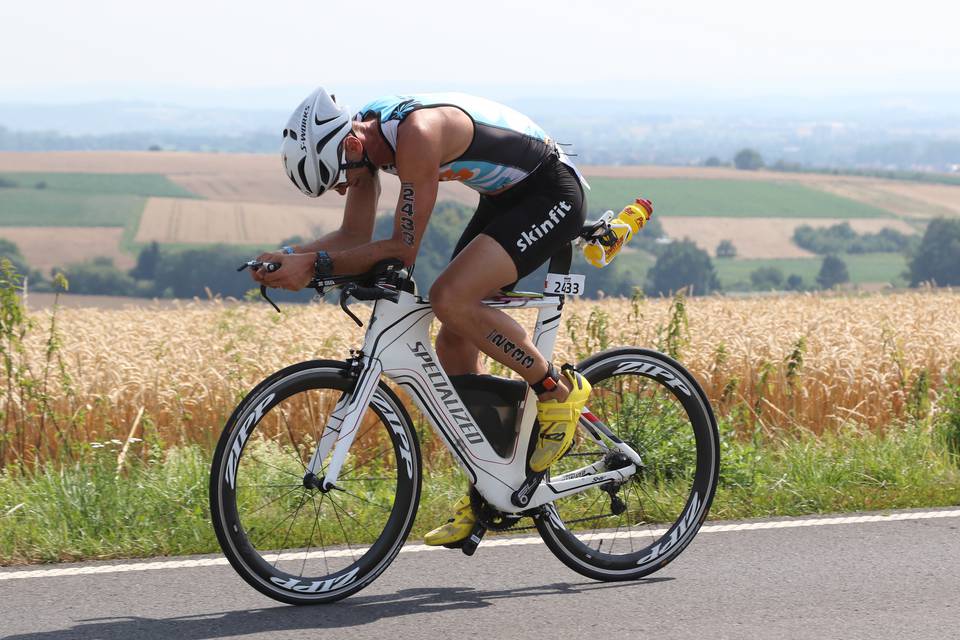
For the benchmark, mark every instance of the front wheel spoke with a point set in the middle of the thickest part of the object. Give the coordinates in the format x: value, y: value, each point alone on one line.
x: 323, y: 545
x: 376, y: 456
x: 264, y: 536
x: 293, y: 521
x: 373, y: 536
x: 379, y: 506
x: 267, y: 464
x: 270, y: 502
x: 313, y: 529
x: 346, y: 538
x: 298, y: 457
x: 286, y: 485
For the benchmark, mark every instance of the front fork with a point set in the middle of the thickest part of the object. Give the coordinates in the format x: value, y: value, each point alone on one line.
x: 342, y: 427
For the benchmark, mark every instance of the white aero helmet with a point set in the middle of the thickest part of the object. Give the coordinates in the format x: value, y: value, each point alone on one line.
x: 311, y: 150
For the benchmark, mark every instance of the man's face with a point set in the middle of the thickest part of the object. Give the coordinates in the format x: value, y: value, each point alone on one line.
x: 353, y: 150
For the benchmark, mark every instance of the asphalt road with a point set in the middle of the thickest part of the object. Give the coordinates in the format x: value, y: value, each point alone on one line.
x: 803, y: 578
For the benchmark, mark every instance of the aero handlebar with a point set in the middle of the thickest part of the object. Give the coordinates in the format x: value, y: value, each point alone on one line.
x: 382, y: 282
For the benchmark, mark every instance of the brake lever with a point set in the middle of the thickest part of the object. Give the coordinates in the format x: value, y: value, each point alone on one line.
x: 263, y: 294
x: 344, y: 295
x: 253, y: 265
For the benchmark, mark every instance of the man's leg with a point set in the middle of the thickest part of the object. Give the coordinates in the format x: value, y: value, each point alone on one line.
x: 457, y: 354
x: 484, y: 266
x: 468, y: 327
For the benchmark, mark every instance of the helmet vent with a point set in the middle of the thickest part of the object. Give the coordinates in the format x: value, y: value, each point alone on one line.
x: 303, y: 175
x: 324, y: 173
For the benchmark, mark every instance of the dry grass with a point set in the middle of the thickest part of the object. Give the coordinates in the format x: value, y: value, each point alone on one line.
x: 791, y: 362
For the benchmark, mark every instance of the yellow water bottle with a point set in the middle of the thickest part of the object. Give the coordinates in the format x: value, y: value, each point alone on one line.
x: 621, y: 229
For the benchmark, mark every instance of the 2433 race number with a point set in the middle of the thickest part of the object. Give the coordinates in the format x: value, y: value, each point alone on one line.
x: 571, y: 284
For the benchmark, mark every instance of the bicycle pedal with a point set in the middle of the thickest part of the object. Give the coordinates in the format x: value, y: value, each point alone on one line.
x: 469, y: 545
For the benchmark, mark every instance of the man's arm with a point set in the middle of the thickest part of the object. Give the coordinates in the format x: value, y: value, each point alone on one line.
x: 359, y: 215
x: 418, y: 160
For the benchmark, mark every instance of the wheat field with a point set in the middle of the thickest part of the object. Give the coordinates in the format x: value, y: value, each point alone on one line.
x: 173, y: 375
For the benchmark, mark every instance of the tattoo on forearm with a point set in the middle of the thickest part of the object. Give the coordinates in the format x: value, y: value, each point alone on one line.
x: 512, y: 350
x: 407, y: 226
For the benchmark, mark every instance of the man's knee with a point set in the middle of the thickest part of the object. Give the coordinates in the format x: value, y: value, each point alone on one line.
x: 447, y: 305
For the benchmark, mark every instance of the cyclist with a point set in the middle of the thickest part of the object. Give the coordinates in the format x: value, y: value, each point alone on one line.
x: 531, y: 204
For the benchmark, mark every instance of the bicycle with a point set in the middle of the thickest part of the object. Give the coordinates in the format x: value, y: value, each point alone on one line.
x: 317, y: 475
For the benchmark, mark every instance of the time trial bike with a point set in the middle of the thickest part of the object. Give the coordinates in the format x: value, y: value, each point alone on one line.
x: 317, y: 475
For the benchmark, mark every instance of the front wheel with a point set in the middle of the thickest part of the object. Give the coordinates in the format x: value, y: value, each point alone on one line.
x: 282, y: 533
x: 627, y: 531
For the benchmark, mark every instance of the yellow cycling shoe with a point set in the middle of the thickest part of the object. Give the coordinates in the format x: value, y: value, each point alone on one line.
x: 457, y: 529
x: 558, y: 422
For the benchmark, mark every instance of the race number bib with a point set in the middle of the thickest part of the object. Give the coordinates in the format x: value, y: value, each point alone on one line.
x: 571, y: 285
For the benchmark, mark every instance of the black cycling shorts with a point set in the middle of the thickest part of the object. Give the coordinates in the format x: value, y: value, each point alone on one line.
x: 533, y: 220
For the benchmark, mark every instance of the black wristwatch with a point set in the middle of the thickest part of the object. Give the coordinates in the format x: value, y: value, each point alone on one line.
x: 322, y: 266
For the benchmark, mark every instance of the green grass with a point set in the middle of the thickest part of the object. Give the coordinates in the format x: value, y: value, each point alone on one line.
x: 853, y: 470
x: 159, y: 507
x: 81, y: 199
x: 35, y: 208
x: 133, y: 184
x: 732, y: 198
x: 863, y: 268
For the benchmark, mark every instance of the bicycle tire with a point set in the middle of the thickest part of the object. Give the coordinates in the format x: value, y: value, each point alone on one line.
x: 255, y: 463
x: 644, y: 384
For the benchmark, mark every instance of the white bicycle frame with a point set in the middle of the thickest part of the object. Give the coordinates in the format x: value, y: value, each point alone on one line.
x: 397, y: 345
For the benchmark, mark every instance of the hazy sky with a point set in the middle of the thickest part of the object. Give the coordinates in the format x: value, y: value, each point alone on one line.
x: 198, y: 50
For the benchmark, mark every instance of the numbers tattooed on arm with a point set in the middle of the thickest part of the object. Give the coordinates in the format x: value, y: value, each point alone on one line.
x: 512, y: 350
x: 407, y: 226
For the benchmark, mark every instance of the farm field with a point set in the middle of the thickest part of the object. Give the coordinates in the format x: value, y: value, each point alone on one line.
x: 902, y: 197
x: 48, y: 247
x: 910, y: 200
x: 860, y: 356
x: 177, y: 220
x: 138, y: 184
x: 76, y: 216
x: 256, y: 178
x: 188, y: 198
x: 32, y: 207
x: 764, y: 237
x: 728, y: 198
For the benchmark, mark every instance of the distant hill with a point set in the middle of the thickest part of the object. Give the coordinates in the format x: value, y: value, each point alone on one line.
x: 918, y: 133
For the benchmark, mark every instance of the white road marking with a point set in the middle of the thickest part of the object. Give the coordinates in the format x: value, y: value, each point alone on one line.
x: 496, y: 542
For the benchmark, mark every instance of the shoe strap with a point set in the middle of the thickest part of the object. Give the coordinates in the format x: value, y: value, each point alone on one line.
x: 553, y: 411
